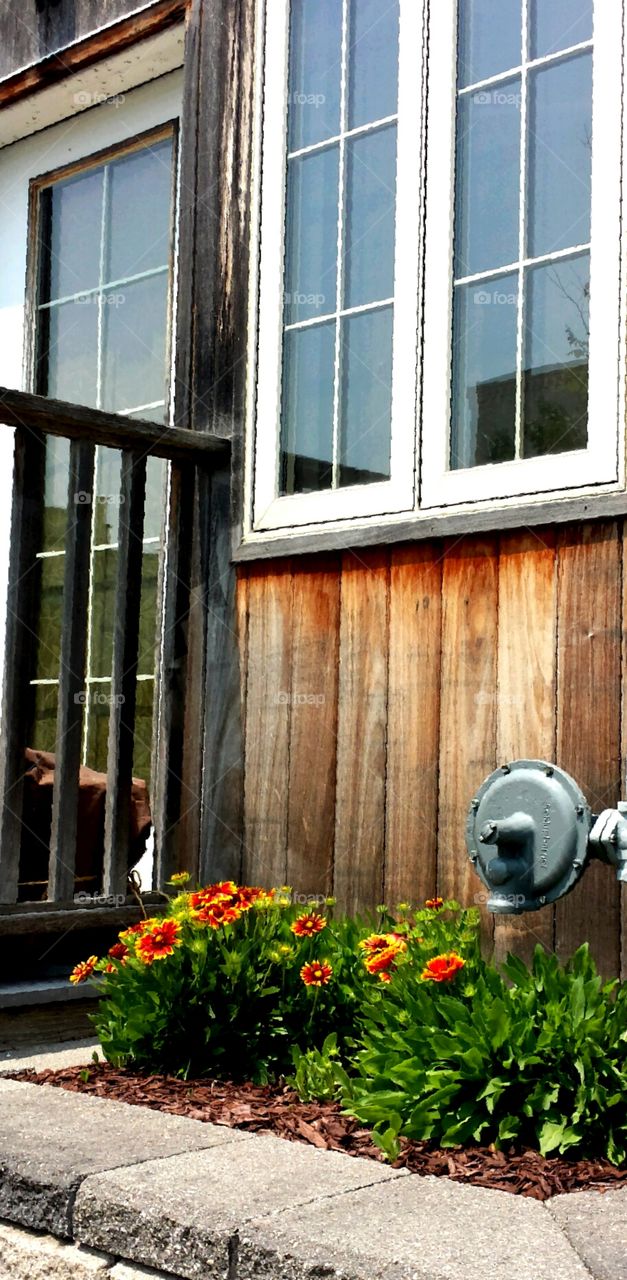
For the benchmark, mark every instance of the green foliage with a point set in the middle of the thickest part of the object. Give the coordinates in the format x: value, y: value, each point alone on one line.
x: 319, y: 1075
x: 538, y: 1060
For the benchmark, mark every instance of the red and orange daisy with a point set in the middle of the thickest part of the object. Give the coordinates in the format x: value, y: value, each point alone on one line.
x: 160, y: 941
x: 308, y: 924
x: 382, y: 952
x: 81, y: 972
x: 217, y: 914
x: 317, y: 973
x: 118, y: 951
x: 442, y: 968
x: 434, y: 904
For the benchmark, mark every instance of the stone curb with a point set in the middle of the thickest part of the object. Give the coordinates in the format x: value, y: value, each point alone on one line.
x: 141, y: 1193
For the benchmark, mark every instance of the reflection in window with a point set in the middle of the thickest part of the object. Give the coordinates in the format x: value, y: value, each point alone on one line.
x: 522, y: 230
x: 101, y: 338
x: 339, y: 244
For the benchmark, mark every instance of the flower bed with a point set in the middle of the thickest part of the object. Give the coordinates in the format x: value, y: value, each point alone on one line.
x: 398, y: 1017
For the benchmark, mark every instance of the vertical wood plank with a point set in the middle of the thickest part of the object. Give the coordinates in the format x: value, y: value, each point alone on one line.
x: 467, y: 715
x: 19, y: 649
x: 268, y: 724
x: 588, y: 718
x: 360, y: 797
x: 413, y: 723
x: 124, y: 673
x: 72, y: 666
x: 313, y: 726
x: 525, y: 701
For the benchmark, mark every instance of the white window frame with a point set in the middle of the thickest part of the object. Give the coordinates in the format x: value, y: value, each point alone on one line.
x: 397, y: 494
x: 422, y: 482
x: 600, y: 462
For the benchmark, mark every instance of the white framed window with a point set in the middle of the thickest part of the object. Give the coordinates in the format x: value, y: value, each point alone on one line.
x: 439, y: 257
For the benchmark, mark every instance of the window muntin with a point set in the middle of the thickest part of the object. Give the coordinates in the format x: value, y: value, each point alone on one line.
x: 338, y: 281
x: 105, y: 243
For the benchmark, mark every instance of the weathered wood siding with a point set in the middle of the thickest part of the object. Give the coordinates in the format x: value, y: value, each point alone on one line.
x: 380, y: 687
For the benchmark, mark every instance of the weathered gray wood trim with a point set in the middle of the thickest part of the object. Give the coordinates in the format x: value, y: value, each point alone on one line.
x: 77, y: 422
x: 124, y: 673
x: 49, y: 917
x: 72, y: 667
x: 446, y: 524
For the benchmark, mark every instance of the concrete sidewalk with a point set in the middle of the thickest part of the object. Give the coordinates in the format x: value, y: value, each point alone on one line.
x: 124, y: 1192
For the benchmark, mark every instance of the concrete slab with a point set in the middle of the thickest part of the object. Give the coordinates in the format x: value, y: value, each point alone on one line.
x: 51, y: 1140
x: 183, y: 1214
x: 25, y: 1256
x: 411, y: 1229
x: 49, y: 1056
x: 597, y: 1227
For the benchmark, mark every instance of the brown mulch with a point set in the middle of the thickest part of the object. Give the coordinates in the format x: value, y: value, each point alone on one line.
x: 276, y: 1109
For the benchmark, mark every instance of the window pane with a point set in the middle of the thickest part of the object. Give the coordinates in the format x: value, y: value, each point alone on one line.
x: 307, y: 435
x: 98, y: 726
x: 156, y: 472
x: 373, y: 61
x: 556, y: 357
x: 558, y: 24
x: 315, y: 71
x: 370, y: 217
x: 560, y: 155
x: 44, y: 733
x: 139, y: 211
x: 71, y: 228
x: 366, y: 397
x: 68, y: 342
x: 57, y: 470
x: 102, y: 619
x: 142, y: 747
x: 148, y: 610
x: 490, y: 38
x: 107, y: 500
x: 48, y: 628
x: 488, y: 179
x: 311, y: 235
x: 483, y: 426
x: 134, y: 344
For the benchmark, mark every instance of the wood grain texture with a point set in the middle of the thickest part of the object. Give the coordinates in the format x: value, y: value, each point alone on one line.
x: 467, y: 717
x: 313, y: 727
x: 360, y: 796
x: 588, y: 718
x: 413, y: 723
x: 525, y: 700
x: 267, y: 725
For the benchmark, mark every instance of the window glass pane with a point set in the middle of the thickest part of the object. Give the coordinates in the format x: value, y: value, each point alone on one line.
x: 142, y: 747
x: 139, y: 211
x: 134, y: 344
x: 99, y: 696
x: 107, y: 497
x: 556, y: 357
x: 488, y: 179
x: 307, y: 432
x: 156, y: 474
x: 315, y: 71
x: 366, y: 398
x: 48, y: 628
x: 148, y: 610
x: 102, y: 620
x: 311, y: 235
x: 57, y: 469
x: 370, y: 215
x: 560, y: 155
x: 72, y: 221
x: 483, y: 427
x: 44, y: 734
x: 558, y: 24
x: 68, y: 342
x: 490, y: 38
x: 373, y: 61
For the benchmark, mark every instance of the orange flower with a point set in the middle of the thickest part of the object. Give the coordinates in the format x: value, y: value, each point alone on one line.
x: 442, y: 968
x: 160, y: 942
x: 140, y: 927
x: 375, y: 942
x: 118, y: 951
x: 81, y: 972
x: 217, y: 914
x: 247, y: 895
x: 435, y: 904
x: 308, y: 924
x: 385, y: 977
x: 316, y: 974
x: 380, y: 961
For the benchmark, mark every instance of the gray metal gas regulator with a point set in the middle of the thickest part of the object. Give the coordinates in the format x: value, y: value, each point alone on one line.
x: 530, y: 835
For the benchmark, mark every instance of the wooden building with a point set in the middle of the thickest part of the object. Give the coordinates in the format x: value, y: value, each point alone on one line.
x: 312, y: 340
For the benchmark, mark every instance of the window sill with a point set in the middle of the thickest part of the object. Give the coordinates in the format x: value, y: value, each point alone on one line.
x: 418, y: 527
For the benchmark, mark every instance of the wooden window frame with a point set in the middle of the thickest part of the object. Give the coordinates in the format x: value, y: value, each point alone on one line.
x: 499, y: 495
